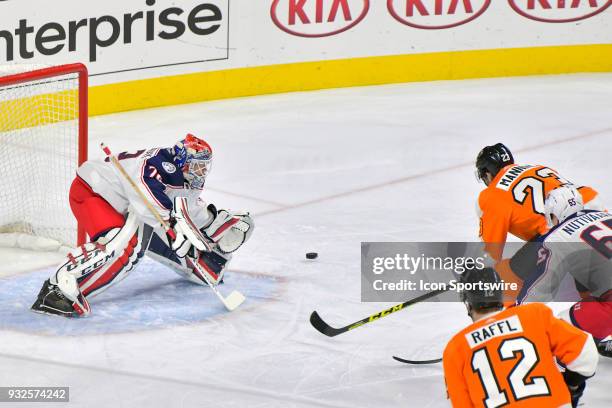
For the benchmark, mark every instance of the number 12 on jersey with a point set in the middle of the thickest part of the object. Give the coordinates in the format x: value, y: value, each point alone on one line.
x: 525, y: 352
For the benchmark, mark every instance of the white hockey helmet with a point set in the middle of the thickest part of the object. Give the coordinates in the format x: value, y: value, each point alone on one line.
x: 194, y: 156
x: 562, y: 202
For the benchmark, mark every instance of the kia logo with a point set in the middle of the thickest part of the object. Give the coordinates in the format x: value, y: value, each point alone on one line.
x: 559, y: 11
x: 318, y: 18
x: 435, y: 15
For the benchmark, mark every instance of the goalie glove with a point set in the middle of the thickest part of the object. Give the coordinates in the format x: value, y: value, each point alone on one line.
x: 229, y: 230
x: 187, y: 234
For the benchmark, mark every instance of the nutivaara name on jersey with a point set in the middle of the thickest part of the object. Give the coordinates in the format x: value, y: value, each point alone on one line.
x: 581, y: 221
x: 510, y: 175
x: 510, y: 325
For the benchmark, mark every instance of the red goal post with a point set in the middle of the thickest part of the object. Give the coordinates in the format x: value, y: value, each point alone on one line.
x: 43, y: 139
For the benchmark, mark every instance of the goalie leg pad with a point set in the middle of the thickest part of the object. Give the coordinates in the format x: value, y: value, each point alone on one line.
x: 101, y: 263
x: 123, y: 262
x: 113, y: 271
x: 160, y: 249
x: 92, y: 257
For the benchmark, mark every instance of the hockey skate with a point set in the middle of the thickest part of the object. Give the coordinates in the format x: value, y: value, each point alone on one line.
x: 52, y: 301
x: 604, y: 347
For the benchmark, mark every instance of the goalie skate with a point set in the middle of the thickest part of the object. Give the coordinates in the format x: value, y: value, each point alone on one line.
x: 52, y: 301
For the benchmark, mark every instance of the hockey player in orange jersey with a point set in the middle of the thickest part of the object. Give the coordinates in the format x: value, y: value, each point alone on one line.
x: 513, y: 201
x: 506, y: 357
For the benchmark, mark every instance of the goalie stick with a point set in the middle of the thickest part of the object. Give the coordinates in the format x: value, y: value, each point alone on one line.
x: 230, y: 302
x: 401, y: 360
x: 319, y: 324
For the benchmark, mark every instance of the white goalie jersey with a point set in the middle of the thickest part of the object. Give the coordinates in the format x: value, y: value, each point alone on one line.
x: 155, y: 174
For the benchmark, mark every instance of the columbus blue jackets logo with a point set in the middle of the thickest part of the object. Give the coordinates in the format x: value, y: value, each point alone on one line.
x: 169, y: 167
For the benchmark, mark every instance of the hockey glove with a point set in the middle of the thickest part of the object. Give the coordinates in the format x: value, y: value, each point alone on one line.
x: 576, y: 384
x: 229, y: 230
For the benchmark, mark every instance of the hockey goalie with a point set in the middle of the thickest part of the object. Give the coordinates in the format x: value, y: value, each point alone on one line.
x: 122, y: 229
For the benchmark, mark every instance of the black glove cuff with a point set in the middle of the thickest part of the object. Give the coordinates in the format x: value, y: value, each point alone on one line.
x: 573, y: 379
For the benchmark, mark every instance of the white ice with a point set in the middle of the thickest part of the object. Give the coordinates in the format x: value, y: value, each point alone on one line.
x: 322, y: 171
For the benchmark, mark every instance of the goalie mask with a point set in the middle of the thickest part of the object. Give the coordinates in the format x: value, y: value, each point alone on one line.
x: 194, y: 157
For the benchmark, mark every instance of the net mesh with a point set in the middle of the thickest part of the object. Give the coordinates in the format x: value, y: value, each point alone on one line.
x: 39, y: 136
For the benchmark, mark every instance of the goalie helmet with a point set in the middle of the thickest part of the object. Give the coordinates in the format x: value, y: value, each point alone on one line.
x: 477, y: 297
x: 562, y: 202
x: 492, y: 159
x: 194, y: 156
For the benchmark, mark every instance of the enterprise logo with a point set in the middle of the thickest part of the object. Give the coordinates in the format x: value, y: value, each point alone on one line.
x: 26, y: 40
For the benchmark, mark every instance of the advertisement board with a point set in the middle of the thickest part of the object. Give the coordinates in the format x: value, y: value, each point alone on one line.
x: 122, y: 42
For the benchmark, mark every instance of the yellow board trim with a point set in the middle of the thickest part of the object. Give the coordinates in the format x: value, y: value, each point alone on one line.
x: 38, y: 110
x: 309, y: 76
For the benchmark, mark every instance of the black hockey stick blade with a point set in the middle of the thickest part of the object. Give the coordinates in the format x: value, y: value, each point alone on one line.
x: 323, y: 327
x: 401, y: 360
x: 329, y: 331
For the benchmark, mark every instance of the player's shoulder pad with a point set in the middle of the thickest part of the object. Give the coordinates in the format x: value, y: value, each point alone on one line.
x: 163, y: 162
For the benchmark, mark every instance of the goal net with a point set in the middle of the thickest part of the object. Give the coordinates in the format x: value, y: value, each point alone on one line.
x: 43, y: 139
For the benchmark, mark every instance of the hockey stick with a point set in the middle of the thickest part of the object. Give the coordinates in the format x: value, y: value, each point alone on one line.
x: 330, y: 331
x: 401, y: 360
x: 230, y: 302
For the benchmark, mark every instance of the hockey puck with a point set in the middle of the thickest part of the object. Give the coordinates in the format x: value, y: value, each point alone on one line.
x: 311, y: 255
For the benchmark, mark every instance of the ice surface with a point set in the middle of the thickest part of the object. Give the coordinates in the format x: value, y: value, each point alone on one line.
x: 154, y: 297
x: 322, y: 171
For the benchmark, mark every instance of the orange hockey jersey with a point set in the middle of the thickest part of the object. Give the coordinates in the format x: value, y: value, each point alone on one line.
x: 507, y: 359
x: 514, y: 203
